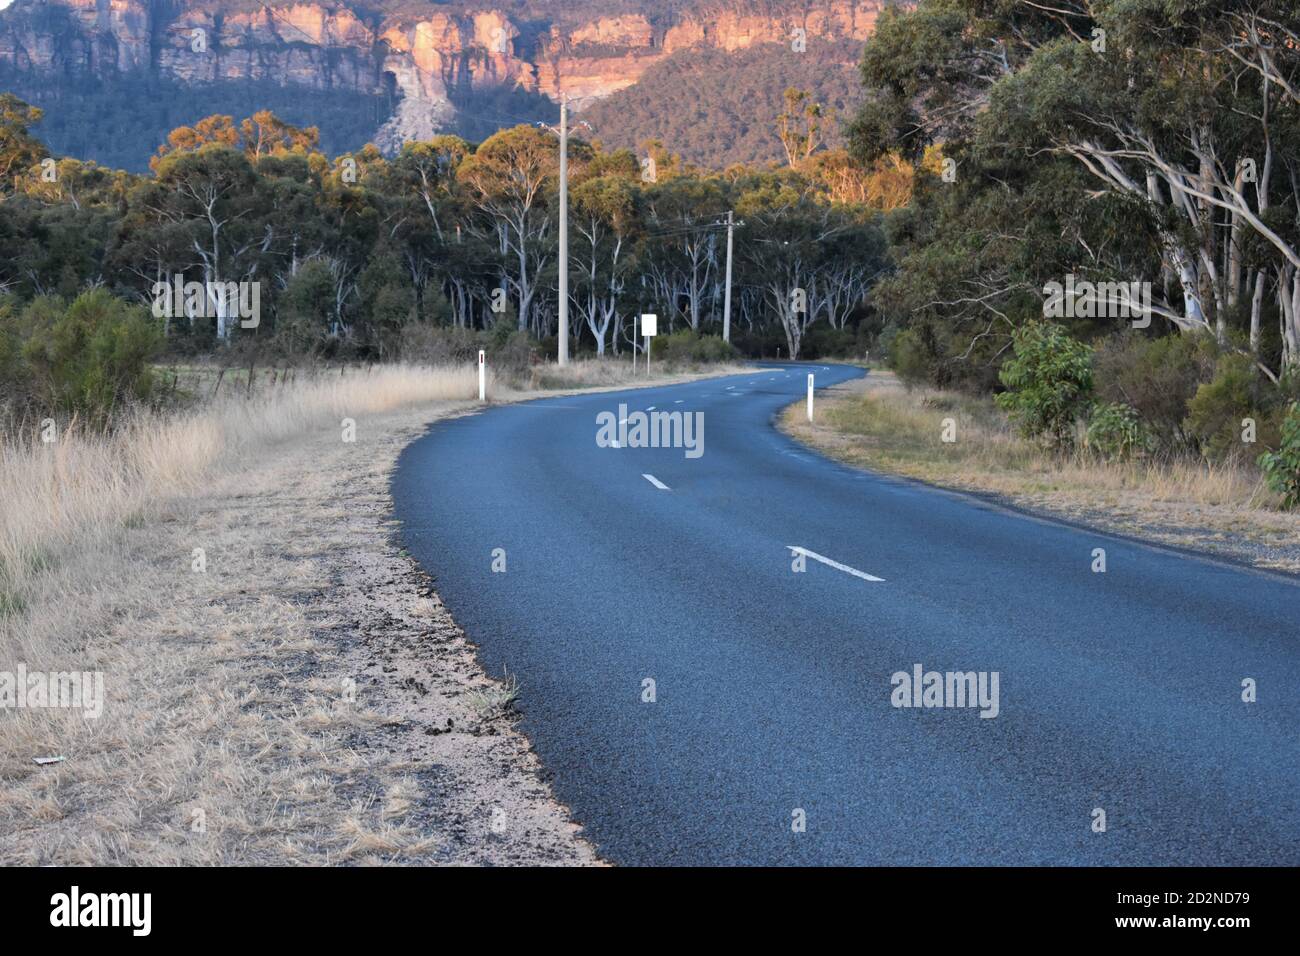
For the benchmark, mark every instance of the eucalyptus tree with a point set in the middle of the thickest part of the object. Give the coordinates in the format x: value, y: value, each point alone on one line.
x: 210, y: 194
x: 510, y: 180
x: 606, y: 220
x: 791, y: 243
x: 1177, y: 118
x: 683, y: 218
x: 20, y: 150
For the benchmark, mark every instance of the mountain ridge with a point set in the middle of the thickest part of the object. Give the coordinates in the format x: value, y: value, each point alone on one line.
x: 436, y: 64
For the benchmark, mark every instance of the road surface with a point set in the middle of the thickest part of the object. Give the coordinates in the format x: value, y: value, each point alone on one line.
x: 772, y: 736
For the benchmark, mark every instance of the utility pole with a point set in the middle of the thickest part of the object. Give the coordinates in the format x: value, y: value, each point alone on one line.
x: 726, y: 302
x: 564, y: 229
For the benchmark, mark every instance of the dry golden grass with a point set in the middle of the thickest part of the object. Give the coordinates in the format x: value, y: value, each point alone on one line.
x: 876, y: 423
x: 305, y: 697
x: 209, y: 748
x: 70, y: 493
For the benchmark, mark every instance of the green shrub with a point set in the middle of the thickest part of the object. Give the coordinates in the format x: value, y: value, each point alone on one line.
x: 431, y: 345
x: 1116, y: 432
x: 909, y: 357
x: 509, y: 350
x: 91, y: 356
x: 303, y: 314
x: 822, y: 341
x: 686, y: 347
x: 1282, y: 467
x: 12, y: 370
x: 512, y: 353
x: 1048, y: 381
x: 1157, y: 378
x: 1215, y: 413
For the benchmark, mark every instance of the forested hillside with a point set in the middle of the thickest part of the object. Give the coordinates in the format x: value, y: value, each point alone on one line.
x: 119, y: 122
x: 714, y: 107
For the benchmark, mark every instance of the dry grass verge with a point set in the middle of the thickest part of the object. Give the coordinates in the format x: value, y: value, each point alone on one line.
x: 876, y: 423
x: 280, y: 684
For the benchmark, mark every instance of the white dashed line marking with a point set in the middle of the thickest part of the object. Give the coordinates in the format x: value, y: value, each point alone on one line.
x: 832, y: 564
x: 662, y: 487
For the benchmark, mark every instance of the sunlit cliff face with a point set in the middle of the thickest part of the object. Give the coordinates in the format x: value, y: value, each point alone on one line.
x: 344, y: 49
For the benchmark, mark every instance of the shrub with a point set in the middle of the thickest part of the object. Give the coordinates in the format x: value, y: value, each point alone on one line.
x: 1048, y: 380
x: 762, y: 342
x: 1282, y: 467
x: 686, y: 347
x: 303, y: 314
x: 510, y: 351
x: 824, y: 341
x: 1116, y: 432
x: 1157, y: 378
x: 12, y: 371
x: 1216, y: 411
x: 910, y: 358
x: 90, y: 356
x: 427, y: 344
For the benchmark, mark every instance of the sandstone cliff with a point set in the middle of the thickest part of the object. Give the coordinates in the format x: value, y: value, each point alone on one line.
x: 429, y: 52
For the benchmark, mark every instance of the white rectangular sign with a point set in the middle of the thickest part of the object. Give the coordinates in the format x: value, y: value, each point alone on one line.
x: 649, y: 324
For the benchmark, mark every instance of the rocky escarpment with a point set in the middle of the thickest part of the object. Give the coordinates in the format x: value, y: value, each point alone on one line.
x: 434, y: 54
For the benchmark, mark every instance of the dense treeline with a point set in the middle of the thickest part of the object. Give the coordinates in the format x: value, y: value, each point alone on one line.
x: 360, y: 256
x: 116, y: 120
x: 1093, y: 145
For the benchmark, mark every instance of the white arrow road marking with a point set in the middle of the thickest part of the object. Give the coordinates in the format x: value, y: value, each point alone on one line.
x: 829, y: 563
x: 656, y: 482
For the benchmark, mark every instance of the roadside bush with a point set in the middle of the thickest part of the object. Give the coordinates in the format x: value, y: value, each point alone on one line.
x: 1157, y: 378
x: 510, y: 351
x: 87, y: 357
x: 1217, y: 410
x: 1282, y: 467
x: 822, y: 341
x: 427, y: 344
x: 910, y: 358
x: 302, y: 318
x: 685, y: 347
x: 882, y: 349
x: 763, y: 342
x: 1116, y: 432
x: 1048, y: 381
x: 11, y: 385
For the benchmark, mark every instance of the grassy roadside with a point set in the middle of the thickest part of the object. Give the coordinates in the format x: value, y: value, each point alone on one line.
x: 877, y: 423
x: 281, y: 685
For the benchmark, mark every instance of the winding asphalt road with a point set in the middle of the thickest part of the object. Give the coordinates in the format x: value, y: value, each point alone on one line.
x: 772, y: 688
